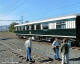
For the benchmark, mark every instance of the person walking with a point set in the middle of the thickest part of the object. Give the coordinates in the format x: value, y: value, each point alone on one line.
x: 55, y: 46
x: 65, y: 51
x: 28, y: 45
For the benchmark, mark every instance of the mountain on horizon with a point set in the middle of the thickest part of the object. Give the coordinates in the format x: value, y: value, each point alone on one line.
x: 4, y: 28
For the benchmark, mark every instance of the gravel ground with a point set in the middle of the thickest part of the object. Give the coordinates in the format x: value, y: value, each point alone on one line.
x: 6, y: 55
x: 41, y: 51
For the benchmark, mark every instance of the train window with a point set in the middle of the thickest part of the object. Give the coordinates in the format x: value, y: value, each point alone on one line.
x: 27, y: 27
x: 23, y: 27
x: 38, y: 26
x: 60, y: 25
x: 15, y: 28
x: 62, y: 22
x: 45, y: 25
x: 32, y: 27
x: 19, y: 28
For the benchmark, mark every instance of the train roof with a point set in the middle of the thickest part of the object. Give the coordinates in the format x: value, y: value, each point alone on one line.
x: 47, y: 20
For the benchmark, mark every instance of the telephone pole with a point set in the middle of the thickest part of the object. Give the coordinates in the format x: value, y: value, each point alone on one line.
x: 21, y: 19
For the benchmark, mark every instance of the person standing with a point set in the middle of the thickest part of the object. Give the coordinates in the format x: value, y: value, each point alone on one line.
x: 28, y: 45
x: 65, y: 51
x: 69, y: 47
x: 55, y: 46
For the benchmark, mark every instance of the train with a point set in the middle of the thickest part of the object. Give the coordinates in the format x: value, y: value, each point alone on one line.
x: 46, y: 29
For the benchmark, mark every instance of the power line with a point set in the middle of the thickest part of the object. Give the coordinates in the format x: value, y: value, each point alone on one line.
x: 10, y: 20
x: 20, y: 21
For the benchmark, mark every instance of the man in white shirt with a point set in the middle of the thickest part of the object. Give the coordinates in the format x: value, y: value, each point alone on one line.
x: 55, y: 46
x: 28, y: 45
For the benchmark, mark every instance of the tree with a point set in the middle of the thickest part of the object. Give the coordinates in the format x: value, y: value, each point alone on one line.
x: 11, y: 27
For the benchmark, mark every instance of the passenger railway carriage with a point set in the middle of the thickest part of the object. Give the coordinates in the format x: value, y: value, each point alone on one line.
x: 66, y: 26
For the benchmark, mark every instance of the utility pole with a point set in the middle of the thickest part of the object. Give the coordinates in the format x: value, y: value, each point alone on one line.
x: 21, y: 19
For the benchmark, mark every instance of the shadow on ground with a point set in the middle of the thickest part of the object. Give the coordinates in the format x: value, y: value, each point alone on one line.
x: 75, y: 59
x: 50, y: 59
x: 5, y: 38
x: 46, y: 60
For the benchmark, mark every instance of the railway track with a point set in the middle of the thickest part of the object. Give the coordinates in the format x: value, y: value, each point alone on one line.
x: 17, y: 48
x: 15, y: 52
x: 18, y: 51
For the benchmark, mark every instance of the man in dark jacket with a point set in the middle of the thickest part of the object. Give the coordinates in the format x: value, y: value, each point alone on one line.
x: 65, y: 51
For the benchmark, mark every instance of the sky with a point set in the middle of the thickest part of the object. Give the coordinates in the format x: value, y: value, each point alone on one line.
x: 32, y: 10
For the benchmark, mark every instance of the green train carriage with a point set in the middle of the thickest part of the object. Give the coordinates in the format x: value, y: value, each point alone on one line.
x: 66, y: 26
